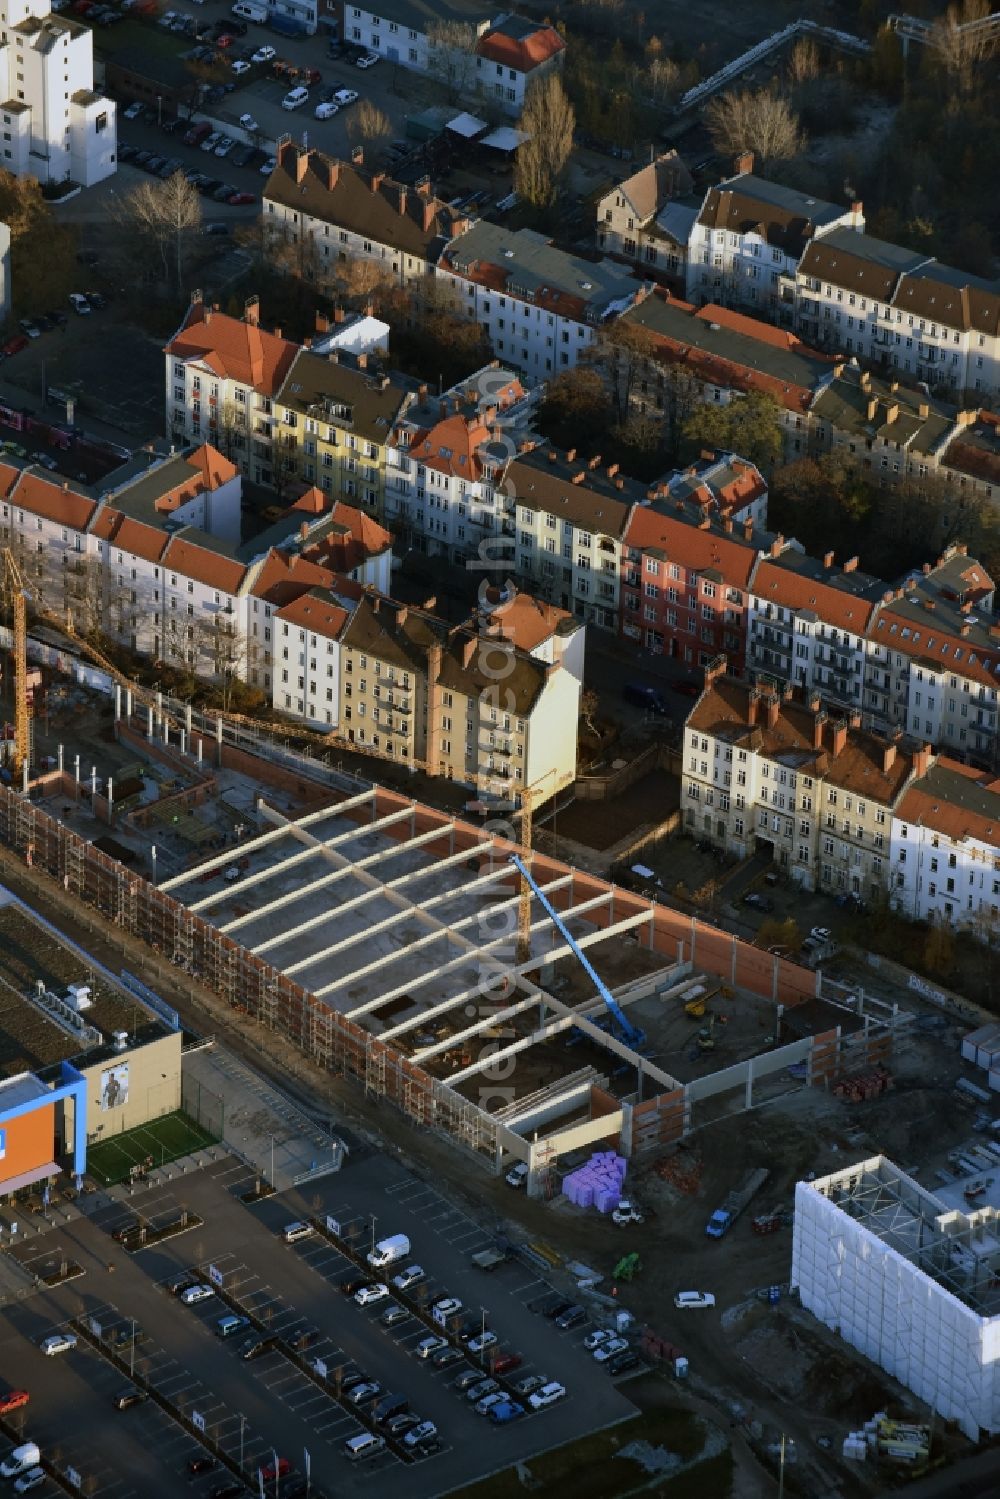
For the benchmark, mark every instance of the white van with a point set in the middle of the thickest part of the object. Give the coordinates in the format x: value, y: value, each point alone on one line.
x: 20, y: 1460
x: 250, y: 10
x: 293, y: 1232
x: 388, y: 1251
x: 295, y: 98
x: 365, y: 1444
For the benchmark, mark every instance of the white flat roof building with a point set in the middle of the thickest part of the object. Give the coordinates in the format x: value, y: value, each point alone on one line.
x: 908, y: 1280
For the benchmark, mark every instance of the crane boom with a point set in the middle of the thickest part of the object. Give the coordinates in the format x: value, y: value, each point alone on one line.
x: 629, y: 1032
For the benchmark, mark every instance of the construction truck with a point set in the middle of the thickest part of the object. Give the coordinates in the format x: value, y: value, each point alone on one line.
x: 627, y: 1211
x: 725, y: 1216
x: 489, y: 1259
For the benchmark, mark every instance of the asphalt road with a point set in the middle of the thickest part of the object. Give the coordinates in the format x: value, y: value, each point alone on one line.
x: 292, y: 1290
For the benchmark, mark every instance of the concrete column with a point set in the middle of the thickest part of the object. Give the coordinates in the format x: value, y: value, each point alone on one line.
x: 694, y: 929
x: 732, y: 964
x: 111, y: 799
x: 218, y: 741
x: 60, y: 757
x: 128, y: 704
x: 153, y: 856
x: 183, y: 742
x: 118, y: 701
x: 198, y: 749
x: 76, y: 768
x: 187, y: 719
x: 24, y: 777
x: 166, y: 729
x: 93, y: 780
x: 748, y: 1096
x: 149, y: 723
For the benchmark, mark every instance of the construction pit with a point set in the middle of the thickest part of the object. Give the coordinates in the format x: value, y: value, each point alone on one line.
x: 384, y: 938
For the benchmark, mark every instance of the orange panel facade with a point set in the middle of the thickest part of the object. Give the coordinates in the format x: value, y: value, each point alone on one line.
x: 29, y: 1142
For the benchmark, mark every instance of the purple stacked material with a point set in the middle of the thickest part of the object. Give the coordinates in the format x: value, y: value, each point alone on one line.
x: 598, y: 1184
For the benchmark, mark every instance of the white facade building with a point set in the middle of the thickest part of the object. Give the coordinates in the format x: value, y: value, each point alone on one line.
x: 55, y: 126
x: 946, y: 849
x: 909, y: 1279
x: 539, y: 306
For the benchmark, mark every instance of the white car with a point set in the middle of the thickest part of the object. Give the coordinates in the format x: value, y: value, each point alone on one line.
x: 430, y: 1345
x: 411, y: 1276
x: 821, y: 934
x: 292, y: 1232
x: 685, y: 1299
x: 58, y: 1342
x: 248, y: 122
x: 267, y: 167
x: 371, y: 1295
x: 264, y: 54
x: 547, y: 1395
x: 345, y: 96
x: 240, y: 66
x: 295, y: 98
x: 608, y: 1349
x: 211, y: 141
x: 482, y: 1341
x: 133, y: 112
x: 368, y: 61
x: 33, y: 1479
x: 517, y: 1175
x: 194, y: 1294
x: 447, y: 1307
x: 596, y: 1338
x: 487, y: 1403
x: 79, y: 303
x: 325, y: 111
x: 225, y: 146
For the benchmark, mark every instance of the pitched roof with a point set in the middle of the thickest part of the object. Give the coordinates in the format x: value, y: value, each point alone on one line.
x: 939, y: 294
x: 527, y: 265
x: 858, y: 262
x: 785, y: 218
x: 452, y: 446
x: 652, y: 186
x: 283, y: 577
x: 317, y: 612
x: 652, y: 530
x: 469, y: 668
x: 233, y: 348
x: 858, y: 402
x: 54, y: 501
x: 367, y: 203
x: 515, y: 42
x: 134, y: 536
x: 795, y: 581
x: 168, y: 482
x: 203, y: 565
x: 363, y: 401
x: 527, y: 622
x: 534, y: 482
x: 956, y: 800
x: 348, y: 540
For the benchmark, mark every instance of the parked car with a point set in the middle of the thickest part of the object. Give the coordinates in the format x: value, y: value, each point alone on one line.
x: 505, y: 1411
x: 547, y: 1395
x: 423, y: 1436
x: 622, y: 1362
x: 480, y: 1390
x: 345, y: 96
x: 31, y: 329
x: 686, y: 1300
x: 393, y: 1316
x: 125, y: 1399
x: 371, y: 1295
x: 225, y: 146
x: 467, y: 1379
x: 351, y: 1284
x: 607, y: 1350
x: 758, y: 901
x: 530, y: 1383
x: 211, y: 140
x: 203, y: 1464
x: 248, y: 122
x: 821, y: 934
x: 495, y: 1397
x: 571, y: 1317
x: 229, y: 1326
x: 276, y: 1468
x: 411, y: 1276
x: 241, y: 200
x: 595, y: 1338
x: 325, y: 111
x: 196, y: 1293
x: 405, y: 1421
x: 14, y: 345
x: 14, y: 1400
x: 428, y: 1346
x: 256, y: 1346
x: 295, y: 98
x: 368, y: 60
x: 364, y: 1394
x: 506, y: 1363
x: 58, y: 1342
x: 445, y: 1357
x: 478, y: 1344
x: 240, y: 66
x: 268, y: 166
x: 562, y: 1305
x: 264, y: 54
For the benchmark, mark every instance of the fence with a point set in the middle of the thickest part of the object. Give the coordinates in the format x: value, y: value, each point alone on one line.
x: 599, y: 788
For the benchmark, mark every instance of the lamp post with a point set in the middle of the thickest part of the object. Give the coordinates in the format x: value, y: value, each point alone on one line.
x: 131, y: 1362
x: 374, y: 1221
x: 243, y: 1427
x: 272, y: 1160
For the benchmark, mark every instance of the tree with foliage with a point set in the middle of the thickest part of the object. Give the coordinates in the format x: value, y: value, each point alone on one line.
x: 624, y: 351
x: 166, y: 216
x: 576, y: 410
x: 549, y: 121
x: 749, y: 425
x: 41, y: 251
x: 760, y: 121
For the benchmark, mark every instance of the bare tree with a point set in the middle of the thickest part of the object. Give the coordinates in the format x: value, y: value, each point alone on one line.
x: 760, y: 122
x: 624, y: 351
x: 368, y: 122
x: 451, y: 55
x: 549, y: 121
x: 961, y: 43
x: 664, y: 79
x: 166, y: 215
x: 803, y: 63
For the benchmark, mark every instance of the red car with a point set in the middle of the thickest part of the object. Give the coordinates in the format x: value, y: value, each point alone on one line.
x: 13, y: 1401
x: 225, y: 40
x: 270, y: 1473
x: 238, y: 199
x: 504, y: 1363
x: 14, y: 345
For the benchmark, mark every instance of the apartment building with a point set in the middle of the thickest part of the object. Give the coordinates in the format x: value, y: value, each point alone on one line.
x: 511, y: 56
x: 305, y: 682
x: 345, y: 213
x: 443, y: 463
x: 56, y: 125
x: 748, y: 240
x: 403, y: 32
x: 901, y: 311
x: 539, y: 306
x: 221, y: 377
x: 808, y: 621
x: 946, y: 849
x: 768, y: 769
x: 647, y: 220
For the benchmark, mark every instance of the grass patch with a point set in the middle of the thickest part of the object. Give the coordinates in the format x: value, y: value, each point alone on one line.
x: 165, y: 1139
x: 590, y: 1469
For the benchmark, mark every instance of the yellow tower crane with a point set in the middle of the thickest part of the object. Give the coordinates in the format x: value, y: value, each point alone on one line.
x: 19, y: 606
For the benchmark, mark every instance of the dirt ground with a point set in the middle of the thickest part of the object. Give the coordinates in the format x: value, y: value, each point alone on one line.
x: 601, y: 824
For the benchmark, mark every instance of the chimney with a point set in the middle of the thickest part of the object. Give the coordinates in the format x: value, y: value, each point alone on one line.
x: 552, y: 455
x: 872, y: 408
x: 888, y: 758
x: 819, y: 719
x: 301, y: 166
x: 827, y: 559
x: 304, y: 531
x: 307, y: 342
x: 468, y: 651
x: 339, y: 314
x: 377, y: 180
x: 891, y: 413
x: 865, y: 380
x: 401, y: 617
x: 772, y: 707
x: 421, y: 393
x: 743, y: 162
x: 430, y: 214
x: 401, y: 205
x: 612, y: 470
x: 579, y: 478
x: 251, y: 311
x: 923, y: 411
x: 753, y: 707
x: 286, y: 151
x: 893, y: 386
x: 358, y: 156
x: 424, y: 187
x: 838, y: 739
x: 838, y: 370
x: 570, y: 454
x: 375, y: 603
x: 619, y: 483
x: 748, y: 528
x: 922, y: 761
x: 442, y: 409
x: 715, y: 669
x: 431, y: 604
x: 362, y: 361
x: 727, y: 524
x: 276, y: 332
x: 207, y: 316
x: 322, y: 323
x: 332, y: 174
x: 851, y: 565
x: 857, y: 212
x: 595, y: 462
x: 777, y: 546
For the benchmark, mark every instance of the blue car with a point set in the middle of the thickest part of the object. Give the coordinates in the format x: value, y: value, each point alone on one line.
x: 505, y: 1412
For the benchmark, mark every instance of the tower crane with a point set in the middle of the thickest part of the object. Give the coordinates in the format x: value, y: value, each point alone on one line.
x: 617, y: 1022
x: 19, y: 605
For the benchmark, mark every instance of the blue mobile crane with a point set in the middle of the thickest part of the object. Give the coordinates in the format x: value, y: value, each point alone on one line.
x: 617, y: 1022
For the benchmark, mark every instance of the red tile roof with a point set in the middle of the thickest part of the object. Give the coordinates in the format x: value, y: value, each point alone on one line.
x: 694, y: 548
x: 8, y: 478
x: 525, y: 621
x: 523, y: 54
x: 204, y: 566
x: 928, y: 803
x: 780, y: 585
x: 209, y: 471
x: 134, y: 536
x: 283, y: 578
x: 43, y: 496
x: 949, y: 651
x: 321, y: 616
x: 451, y: 447
x: 233, y: 349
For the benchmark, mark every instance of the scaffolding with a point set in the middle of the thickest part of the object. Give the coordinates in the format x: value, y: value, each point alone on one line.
x: 183, y: 953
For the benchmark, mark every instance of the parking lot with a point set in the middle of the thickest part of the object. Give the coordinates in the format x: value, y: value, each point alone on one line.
x: 295, y: 1398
